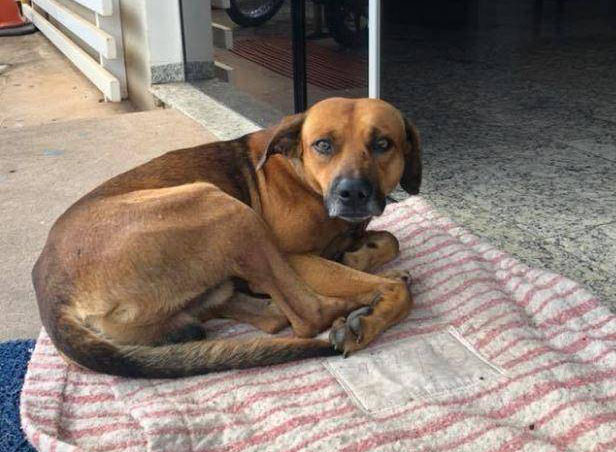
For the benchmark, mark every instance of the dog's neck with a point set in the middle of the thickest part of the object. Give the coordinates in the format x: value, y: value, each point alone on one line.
x: 258, y: 141
x: 291, y: 206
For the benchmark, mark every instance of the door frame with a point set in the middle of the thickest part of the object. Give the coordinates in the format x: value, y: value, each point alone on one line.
x: 300, y: 84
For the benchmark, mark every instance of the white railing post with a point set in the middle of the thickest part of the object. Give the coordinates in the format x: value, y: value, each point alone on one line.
x: 374, y: 49
x: 104, y: 38
x: 112, y: 25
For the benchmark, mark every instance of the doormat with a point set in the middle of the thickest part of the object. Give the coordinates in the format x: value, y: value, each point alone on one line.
x: 14, y: 357
x: 326, y: 68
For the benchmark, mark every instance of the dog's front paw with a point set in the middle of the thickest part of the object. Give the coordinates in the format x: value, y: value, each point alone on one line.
x: 353, y: 333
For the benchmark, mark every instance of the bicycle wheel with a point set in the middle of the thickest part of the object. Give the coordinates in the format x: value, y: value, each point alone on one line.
x: 250, y: 13
x: 347, y: 21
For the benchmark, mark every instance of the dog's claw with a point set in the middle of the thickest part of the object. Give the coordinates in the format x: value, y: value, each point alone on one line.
x: 366, y: 310
x: 374, y: 301
x: 337, y: 336
x: 347, y: 329
x: 354, y: 322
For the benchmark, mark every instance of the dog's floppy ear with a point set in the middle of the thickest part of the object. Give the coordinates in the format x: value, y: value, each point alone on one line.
x: 285, y: 139
x: 411, y: 177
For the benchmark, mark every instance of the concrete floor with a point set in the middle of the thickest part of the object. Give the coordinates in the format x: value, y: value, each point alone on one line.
x: 38, y: 85
x: 57, y: 141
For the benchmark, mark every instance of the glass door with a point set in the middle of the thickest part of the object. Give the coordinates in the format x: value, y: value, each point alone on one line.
x: 336, y: 49
x: 301, y: 52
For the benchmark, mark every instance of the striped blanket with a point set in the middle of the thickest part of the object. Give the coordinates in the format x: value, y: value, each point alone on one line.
x: 495, y: 356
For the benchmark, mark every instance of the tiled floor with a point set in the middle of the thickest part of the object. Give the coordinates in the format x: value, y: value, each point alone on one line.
x: 517, y: 108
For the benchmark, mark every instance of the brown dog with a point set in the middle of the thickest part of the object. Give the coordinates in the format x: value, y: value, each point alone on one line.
x: 132, y: 270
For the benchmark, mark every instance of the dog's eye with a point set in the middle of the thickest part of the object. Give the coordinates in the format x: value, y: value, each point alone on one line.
x: 323, y: 146
x: 380, y: 144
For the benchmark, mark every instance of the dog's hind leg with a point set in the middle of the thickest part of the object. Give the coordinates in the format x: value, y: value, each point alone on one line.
x: 261, y: 313
x: 267, y: 270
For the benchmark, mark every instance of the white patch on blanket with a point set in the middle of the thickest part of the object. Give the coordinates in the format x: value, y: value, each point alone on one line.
x: 420, y: 367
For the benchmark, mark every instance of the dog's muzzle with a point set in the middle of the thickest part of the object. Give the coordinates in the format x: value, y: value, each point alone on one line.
x: 354, y: 200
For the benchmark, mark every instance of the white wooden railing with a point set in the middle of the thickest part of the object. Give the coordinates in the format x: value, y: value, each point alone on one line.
x: 104, y: 37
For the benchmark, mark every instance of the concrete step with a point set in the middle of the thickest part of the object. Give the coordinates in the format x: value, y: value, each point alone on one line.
x: 221, y: 108
x: 44, y: 169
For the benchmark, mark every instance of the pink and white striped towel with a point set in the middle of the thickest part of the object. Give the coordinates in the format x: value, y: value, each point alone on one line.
x: 495, y: 356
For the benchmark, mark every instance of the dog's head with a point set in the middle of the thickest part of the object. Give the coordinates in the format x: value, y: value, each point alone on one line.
x: 353, y: 152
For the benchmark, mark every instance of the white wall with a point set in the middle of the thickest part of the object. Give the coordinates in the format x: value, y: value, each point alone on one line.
x: 164, y: 33
x: 199, y: 47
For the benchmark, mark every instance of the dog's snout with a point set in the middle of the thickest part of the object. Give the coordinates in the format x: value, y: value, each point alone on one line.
x: 354, y: 199
x: 354, y: 191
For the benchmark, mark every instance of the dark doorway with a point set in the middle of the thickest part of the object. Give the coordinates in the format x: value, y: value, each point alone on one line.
x: 516, y: 103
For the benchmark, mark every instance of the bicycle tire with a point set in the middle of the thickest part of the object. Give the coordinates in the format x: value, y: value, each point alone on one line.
x: 257, y: 16
x: 335, y: 15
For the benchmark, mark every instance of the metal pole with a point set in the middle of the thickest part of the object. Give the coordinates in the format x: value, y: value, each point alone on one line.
x: 374, y: 49
x: 183, y: 32
x: 300, y: 89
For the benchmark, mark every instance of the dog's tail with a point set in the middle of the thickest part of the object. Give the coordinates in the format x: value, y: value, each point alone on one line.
x: 87, y: 348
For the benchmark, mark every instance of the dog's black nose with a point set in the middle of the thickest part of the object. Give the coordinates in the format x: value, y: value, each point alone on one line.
x: 353, y: 192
